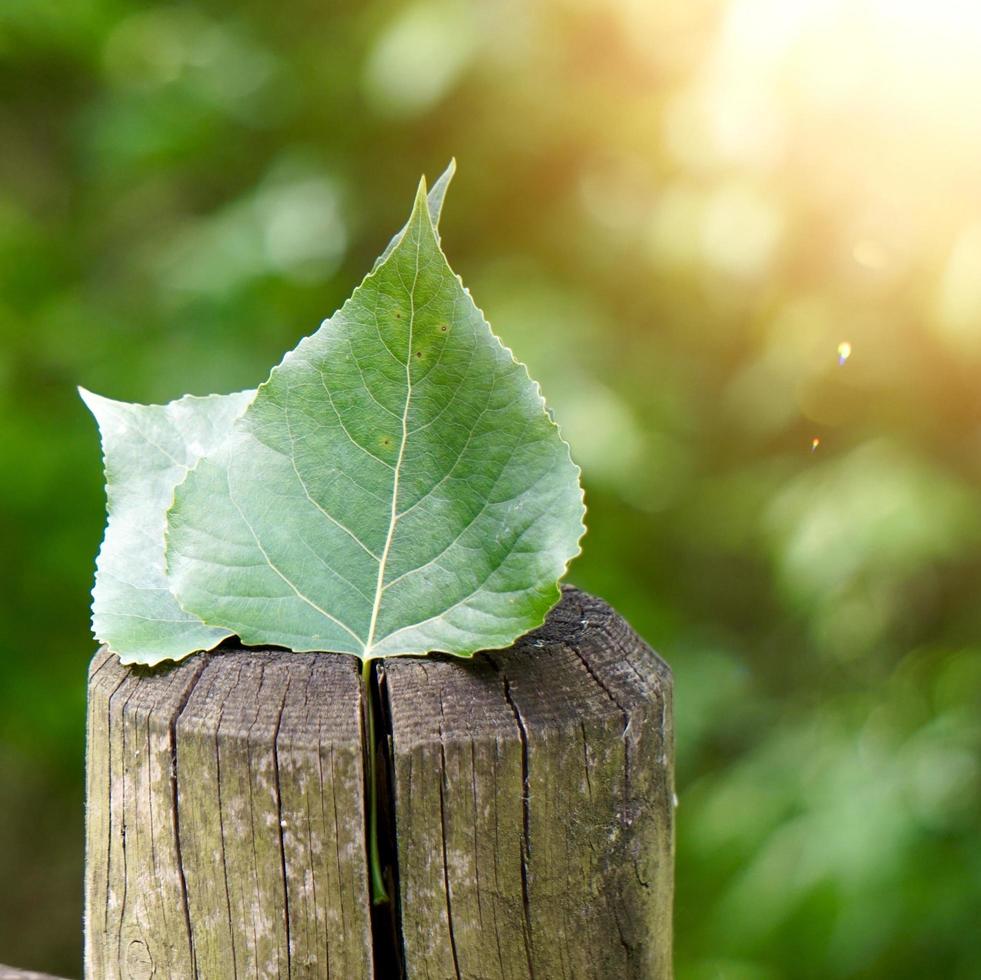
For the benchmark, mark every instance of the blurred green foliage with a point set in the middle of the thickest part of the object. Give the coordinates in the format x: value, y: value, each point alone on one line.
x: 673, y: 213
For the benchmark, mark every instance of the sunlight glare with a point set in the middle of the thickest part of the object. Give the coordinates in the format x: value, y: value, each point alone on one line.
x: 805, y: 64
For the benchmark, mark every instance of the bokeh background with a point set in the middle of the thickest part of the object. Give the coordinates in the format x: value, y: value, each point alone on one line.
x: 674, y: 212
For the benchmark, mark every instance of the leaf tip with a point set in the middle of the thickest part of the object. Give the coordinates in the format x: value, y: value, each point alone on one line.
x: 421, y: 216
x: 93, y: 402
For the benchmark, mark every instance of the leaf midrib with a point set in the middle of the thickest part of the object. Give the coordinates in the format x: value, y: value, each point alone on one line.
x: 394, y: 516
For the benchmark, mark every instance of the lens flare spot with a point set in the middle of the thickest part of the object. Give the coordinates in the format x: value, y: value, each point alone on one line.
x: 844, y: 351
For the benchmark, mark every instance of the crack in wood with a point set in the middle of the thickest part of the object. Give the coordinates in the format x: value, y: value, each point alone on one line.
x: 175, y: 811
x: 90, y: 952
x: 503, y: 782
x: 282, y: 825
x: 443, y: 831
x: 124, y: 769
x: 221, y: 837
x: 526, y: 818
x: 386, y: 931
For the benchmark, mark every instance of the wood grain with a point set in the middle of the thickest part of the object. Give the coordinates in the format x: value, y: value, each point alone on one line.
x: 534, y: 805
x: 225, y: 829
x: 530, y: 808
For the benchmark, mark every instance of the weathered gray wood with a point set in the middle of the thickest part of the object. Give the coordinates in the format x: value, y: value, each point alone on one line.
x: 225, y: 820
x: 532, y: 795
x: 534, y: 805
x: 9, y: 973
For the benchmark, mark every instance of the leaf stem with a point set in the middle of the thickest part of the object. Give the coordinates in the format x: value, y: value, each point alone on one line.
x: 379, y: 893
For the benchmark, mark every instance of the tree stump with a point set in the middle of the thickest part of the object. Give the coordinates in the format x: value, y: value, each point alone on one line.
x: 526, y: 794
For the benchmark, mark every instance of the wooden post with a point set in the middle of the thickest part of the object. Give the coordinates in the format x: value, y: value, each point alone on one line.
x: 529, y: 806
x: 225, y: 819
x: 534, y: 805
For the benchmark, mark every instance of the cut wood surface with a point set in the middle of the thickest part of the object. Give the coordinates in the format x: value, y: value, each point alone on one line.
x: 529, y: 809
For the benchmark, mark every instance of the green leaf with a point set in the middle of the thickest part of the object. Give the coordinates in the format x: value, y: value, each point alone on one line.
x: 435, y: 199
x: 148, y: 450
x: 396, y: 486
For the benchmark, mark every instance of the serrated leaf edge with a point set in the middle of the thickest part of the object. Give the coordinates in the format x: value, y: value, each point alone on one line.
x: 366, y: 655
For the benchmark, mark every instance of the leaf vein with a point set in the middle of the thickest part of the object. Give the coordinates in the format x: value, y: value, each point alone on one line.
x: 313, y: 605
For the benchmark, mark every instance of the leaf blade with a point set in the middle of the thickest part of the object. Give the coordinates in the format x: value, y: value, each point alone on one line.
x: 412, y: 456
x: 147, y: 450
